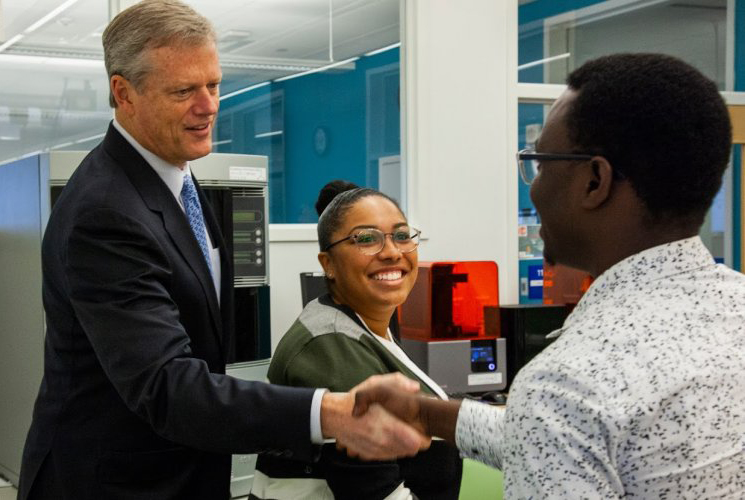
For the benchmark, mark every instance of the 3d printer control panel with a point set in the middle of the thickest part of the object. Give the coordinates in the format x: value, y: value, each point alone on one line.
x: 483, y: 355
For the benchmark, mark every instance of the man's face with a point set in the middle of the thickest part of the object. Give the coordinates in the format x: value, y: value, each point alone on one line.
x: 173, y: 113
x: 554, y: 189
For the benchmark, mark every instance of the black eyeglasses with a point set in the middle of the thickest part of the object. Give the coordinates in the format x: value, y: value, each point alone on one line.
x: 528, y: 161
x: 371, y: 241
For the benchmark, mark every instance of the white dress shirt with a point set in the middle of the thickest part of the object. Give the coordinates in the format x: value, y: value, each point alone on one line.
x: 173, y: 177
x: 642, y: 395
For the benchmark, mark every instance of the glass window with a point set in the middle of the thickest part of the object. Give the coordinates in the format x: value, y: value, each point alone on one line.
x: 53, y: 86
x: 341, y: 124
x: 530, y: 252
x: 714, y: 232
x: 305, y: 83
x: 317, y: 124
x: 556, y: 37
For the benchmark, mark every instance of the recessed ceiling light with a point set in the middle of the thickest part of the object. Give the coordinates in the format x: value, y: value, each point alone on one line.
x: 233, y: 40
x: 231, y: 35
x: 50, y: 61
x: 317, y: 70
x: 38, y: 24
x: 51, y: 15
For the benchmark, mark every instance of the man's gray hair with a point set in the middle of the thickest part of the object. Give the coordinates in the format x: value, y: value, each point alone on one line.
x: 149, y: 25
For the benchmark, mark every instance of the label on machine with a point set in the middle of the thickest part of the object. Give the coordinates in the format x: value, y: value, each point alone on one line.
x: 247, y: 174
x: 485, y: 378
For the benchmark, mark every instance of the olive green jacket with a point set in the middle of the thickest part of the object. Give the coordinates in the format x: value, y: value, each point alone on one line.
x: 328, y: 346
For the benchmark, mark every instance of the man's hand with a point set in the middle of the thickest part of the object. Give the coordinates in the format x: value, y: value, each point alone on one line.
x: 376, y: 435
x: 430, y: 416
x: 402, y: 404
x: 392, y: 380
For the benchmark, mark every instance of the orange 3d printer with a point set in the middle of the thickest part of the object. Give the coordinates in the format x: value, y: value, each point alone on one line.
x: 450, y: 326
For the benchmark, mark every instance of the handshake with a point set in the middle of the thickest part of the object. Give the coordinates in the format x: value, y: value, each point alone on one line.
x: 385, y: 417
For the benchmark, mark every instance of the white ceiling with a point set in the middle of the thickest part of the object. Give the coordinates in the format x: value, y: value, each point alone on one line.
x: 283, y: 29
x: 42, y: 96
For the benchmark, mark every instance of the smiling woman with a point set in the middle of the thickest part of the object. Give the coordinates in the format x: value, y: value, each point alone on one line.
x: 368, y: 272
x: 369, y: 255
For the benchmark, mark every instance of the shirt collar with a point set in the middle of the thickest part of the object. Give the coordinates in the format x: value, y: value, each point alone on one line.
x: 172, y: 175
x: 656, y: 263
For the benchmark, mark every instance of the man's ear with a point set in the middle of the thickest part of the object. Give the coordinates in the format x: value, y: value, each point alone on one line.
x: 123, y: 93
x: 599, y: 184
x: 325, y: 261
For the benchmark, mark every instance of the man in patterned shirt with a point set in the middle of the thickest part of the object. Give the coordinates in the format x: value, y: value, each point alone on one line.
x: 643, y: 393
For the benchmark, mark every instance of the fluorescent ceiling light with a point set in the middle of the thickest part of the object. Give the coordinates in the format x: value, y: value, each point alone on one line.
x: 243, y: 90
x: 383, y: 49
x: 226, y: 141
x: 54, y: 13
x: 10, y: 42
x: 268, y: 134
x: 236, y: 64
x: 38, y: 24
x: 317, y: 70
x: 295, y: 75
x: 543, y: 61
x: 59, y: 61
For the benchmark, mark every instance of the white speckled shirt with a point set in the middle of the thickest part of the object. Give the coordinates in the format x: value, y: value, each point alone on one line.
x: 642, y: 395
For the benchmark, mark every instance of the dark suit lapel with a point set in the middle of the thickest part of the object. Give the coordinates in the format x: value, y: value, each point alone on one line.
x: 226, y: 269
x: 159, y: 199
x: 179, y: 230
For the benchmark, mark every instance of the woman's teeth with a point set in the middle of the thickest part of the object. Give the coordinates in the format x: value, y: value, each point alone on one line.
x: 391, y: 276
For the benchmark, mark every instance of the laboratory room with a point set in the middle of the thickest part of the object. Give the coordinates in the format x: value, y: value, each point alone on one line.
x: 372, y: 249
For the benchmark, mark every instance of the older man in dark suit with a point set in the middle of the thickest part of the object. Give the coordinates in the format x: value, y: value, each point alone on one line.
x: 135, y: 402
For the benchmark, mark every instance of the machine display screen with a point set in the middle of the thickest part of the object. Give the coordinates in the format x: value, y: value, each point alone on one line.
x: 240, y: 216
x: 483, y: 358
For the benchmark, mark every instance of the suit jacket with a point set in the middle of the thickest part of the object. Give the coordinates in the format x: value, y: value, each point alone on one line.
x: 134, y: 402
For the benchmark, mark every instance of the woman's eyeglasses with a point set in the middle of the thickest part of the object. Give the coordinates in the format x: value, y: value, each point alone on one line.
x: 371, y: 241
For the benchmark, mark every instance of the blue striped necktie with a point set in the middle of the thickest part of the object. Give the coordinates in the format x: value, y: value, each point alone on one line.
x: 193, y: 210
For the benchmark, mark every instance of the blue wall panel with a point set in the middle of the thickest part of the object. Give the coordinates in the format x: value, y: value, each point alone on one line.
x: 332, y: 104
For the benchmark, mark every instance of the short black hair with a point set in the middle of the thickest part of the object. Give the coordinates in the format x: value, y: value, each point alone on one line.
x: 658, y: 121
x: 332, y: 215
